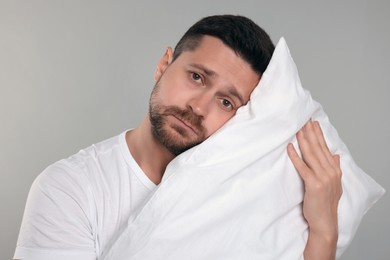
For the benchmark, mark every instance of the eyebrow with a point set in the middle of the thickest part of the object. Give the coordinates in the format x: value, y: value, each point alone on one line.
x: 207, y: 71
x: 231, y: 89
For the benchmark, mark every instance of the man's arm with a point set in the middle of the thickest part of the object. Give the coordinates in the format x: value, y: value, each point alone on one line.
x: 321, y: 173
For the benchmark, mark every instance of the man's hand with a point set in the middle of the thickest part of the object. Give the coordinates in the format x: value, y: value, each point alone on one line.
x: 321, y: 174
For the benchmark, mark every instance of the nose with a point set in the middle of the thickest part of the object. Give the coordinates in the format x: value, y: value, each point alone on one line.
x: 200, y: 104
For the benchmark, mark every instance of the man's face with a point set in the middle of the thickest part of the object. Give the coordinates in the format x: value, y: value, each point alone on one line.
x: 198, y: 93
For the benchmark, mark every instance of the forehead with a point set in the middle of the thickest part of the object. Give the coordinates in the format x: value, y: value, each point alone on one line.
x: 222, y: 65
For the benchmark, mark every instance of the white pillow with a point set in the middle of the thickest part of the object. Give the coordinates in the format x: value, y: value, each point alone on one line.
x: 237, y: 195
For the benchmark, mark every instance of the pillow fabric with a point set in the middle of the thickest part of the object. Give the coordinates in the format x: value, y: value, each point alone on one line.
x: 237, y: 195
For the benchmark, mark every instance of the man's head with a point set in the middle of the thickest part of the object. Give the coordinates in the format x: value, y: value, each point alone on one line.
x: 215, y: 67
x: 239, y: 33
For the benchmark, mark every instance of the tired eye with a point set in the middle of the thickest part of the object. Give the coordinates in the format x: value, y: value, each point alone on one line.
x: 196, y: 77
x: 226, y: 104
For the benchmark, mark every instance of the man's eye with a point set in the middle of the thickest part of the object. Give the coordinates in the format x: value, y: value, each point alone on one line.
x: 196, y: 76
x: 226, y: 104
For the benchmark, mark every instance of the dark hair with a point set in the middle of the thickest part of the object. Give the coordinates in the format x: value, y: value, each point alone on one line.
x: 239, y: 33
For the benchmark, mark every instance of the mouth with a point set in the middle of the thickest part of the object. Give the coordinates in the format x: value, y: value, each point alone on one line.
x: 186, y: 124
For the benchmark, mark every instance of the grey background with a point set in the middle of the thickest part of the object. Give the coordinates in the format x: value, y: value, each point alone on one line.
x: 73, y: 73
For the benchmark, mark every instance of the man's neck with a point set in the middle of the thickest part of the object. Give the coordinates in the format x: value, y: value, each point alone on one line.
x: 149, y: 154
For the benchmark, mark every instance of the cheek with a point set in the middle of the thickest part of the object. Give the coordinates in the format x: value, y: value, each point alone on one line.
x: 168, y: 93
x: 173, y: 92
x: 216, y: 121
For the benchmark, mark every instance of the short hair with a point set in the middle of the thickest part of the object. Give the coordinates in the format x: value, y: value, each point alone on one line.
x: 239, y: 33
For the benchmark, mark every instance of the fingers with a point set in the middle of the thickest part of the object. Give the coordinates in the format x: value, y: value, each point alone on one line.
x: 309, y: 146
x: 298, y: 163
x: 336, y: 159
x: 322, y: 142
x: 316, y: 157
x: 314, y: 150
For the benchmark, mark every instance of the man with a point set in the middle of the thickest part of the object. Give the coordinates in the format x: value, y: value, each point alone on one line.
x: 78, y: 206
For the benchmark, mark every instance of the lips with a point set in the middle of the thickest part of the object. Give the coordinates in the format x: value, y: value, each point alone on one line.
x: 186, y: 124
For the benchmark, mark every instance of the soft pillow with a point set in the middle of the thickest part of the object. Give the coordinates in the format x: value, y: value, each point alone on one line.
x: 237, y: 195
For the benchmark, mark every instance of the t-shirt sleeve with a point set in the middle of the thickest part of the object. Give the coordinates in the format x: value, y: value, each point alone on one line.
x: 58, y: 218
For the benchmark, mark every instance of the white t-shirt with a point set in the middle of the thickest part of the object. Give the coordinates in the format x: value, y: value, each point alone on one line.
x: 77, y: 206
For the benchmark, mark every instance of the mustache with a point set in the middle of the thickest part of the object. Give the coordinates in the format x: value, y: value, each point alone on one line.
x: 186, y: 115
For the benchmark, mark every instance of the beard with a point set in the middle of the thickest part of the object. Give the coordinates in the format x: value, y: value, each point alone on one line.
x: 174, y: 137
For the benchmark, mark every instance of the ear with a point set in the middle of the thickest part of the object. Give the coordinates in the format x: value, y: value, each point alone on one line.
x: 164, y: 62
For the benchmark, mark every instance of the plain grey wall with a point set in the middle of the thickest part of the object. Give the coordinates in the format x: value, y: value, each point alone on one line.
x: 73, y: 73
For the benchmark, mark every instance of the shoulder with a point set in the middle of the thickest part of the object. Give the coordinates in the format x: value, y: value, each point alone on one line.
x: 84, y: 164
x: 61, y: 207
x: 78, y: 178
x: 102, y: 152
